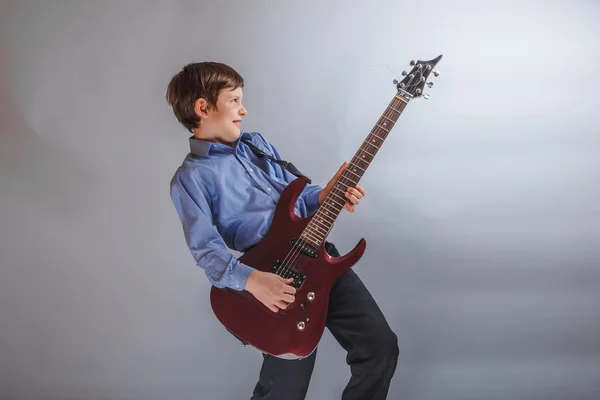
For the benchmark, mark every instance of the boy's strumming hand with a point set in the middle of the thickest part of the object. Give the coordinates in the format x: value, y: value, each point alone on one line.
x: 271, y: 289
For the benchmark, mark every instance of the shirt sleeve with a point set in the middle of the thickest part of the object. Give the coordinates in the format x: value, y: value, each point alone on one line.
x: 309, y: 198
x: 191, y: 201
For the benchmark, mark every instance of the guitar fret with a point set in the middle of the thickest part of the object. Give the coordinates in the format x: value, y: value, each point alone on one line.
x: 352, y: 183
x: 382, y: 127
x: 326, y: 204
x: 366, y: 164
x: 391, y: 117
x: 371, y: 144
x: 318, y: 226
x: 311, y: 232
x: 348, y: 185
x: 309, y: 241
x: 343, y: 198
x: 353, y: 173
x: 372, y: 155
x: 320, y: 232
x: 374, y: 138
x: 357, y: 167
x: 374, y: 141
x: 326, y: 216
x: 376, y: 135
x: 339, y: 203
x: 320, y: 236
x: 305, y: 239
x: 331, y: 209
x: 398, y: 111
x: 393, y: 122
x: 311, y: 235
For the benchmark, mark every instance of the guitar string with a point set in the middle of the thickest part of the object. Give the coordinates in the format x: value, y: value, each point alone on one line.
x: 289, y: 263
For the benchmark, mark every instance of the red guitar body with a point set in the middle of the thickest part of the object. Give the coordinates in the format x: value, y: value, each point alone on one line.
x: 295, y: 332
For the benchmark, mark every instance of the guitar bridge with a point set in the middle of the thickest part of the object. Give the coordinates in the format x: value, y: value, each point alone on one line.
x: 285, y: 271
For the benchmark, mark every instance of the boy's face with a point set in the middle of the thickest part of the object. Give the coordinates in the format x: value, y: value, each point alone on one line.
x: 222, y: 124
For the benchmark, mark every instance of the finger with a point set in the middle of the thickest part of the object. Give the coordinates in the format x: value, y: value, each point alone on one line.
x: 341, y: 170
x: 281, y: 304
x: 361, y: 190
x: 289, y: 289
x: 353, y: 192
x: 357, y: 193
x: 349, y: 207
x: 273, y: 308
x: 289, y: 298
x: 352, y: 198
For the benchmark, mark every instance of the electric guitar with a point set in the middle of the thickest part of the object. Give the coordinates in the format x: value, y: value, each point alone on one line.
x: 294, y: 248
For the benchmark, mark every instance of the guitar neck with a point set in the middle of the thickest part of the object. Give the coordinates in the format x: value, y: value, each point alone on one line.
x: 318, y: 228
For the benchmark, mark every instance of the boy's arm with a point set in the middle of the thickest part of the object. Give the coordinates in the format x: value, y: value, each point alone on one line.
x: 204, y: 241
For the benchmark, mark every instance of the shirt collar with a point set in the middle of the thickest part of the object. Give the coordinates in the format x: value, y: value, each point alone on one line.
x: 204, y: 148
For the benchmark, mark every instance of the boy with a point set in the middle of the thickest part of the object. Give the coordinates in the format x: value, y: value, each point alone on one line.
x: 226, y: 195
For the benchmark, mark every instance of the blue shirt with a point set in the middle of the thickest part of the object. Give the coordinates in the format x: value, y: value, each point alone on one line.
x: 226, y: 196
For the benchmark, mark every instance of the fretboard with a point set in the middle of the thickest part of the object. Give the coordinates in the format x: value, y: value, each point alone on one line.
x: 322, y: 222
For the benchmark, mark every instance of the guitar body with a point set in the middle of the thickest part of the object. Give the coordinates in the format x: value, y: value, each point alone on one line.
x: 279, y: 333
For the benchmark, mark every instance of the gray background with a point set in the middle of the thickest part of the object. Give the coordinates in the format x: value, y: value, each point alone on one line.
x: 481, y: 218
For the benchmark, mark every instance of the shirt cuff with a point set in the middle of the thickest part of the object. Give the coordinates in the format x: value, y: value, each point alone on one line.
x: 241, y: 275
x: 312, y: 201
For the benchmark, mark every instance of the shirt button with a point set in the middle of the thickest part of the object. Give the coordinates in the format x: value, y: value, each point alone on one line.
x: 268, y: 189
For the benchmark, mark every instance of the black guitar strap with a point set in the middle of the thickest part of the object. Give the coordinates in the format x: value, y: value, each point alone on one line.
x: 284, y: 164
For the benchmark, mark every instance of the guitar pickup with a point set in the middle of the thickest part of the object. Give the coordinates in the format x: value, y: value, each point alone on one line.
x: 304, y: 248
x: 288, y: 272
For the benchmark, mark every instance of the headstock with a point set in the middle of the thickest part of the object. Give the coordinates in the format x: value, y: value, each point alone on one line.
x: 412, y: 85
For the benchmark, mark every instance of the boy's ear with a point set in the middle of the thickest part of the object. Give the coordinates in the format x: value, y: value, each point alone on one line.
x: 201, y: 107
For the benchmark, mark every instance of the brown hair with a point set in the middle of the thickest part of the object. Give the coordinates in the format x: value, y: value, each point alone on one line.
x: 196, y: 80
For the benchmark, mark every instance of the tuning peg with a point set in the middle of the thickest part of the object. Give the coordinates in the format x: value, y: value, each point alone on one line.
x: 404, y: 73
x: 436, y: 73
x: 430, y: 84
x: 396, y: 81
x: 412, y: 62
x: 425, y: 96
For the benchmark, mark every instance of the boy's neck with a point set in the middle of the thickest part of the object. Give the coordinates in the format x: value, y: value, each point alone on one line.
x: 199, y: 136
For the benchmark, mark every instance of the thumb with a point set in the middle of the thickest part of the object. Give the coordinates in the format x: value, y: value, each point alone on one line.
x: 341, y: 170
x: 282, y: 279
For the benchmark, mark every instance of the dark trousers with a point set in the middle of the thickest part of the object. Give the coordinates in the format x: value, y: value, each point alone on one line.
x: 357, y: 323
